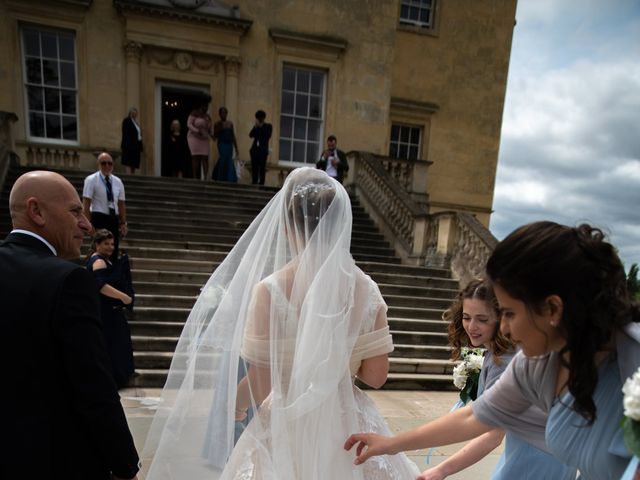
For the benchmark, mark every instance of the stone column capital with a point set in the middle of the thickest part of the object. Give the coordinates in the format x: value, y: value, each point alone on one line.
x: 232, y: 65
x: 133, y: 51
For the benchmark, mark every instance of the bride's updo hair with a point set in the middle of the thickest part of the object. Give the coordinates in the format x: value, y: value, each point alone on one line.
x: 309, y: 195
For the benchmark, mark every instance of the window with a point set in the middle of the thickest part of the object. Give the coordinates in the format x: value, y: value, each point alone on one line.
x: 50, y: 84
x: 301, y: 114
x: 418, y: 13
x: 405, y: 141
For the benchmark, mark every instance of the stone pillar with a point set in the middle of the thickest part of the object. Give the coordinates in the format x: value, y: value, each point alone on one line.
x: 446, y: 235
x: 232, y: 66
x: 133, y: 51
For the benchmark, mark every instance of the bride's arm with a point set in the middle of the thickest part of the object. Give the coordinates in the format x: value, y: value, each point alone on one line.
x: 373, y: 371
x: 256, y: 385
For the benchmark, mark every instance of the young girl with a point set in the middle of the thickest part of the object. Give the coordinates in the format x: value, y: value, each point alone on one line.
x: 473, y: 321
x: 563, y: 297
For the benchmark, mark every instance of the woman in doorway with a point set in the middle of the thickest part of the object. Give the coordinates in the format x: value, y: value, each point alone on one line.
x: 178, y: 150
x: 225, y: 169
x: 199, y: 125
x: 131, y: 144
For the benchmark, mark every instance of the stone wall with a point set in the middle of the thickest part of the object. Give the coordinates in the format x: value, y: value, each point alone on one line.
x: 449, y: 80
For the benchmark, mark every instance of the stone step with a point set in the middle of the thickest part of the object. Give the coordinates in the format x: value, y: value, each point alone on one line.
x: 218, y: 256
x: 395, y: 303
x: 401, y: 337
x: 410, y: 280
x: 418, y: 291
x: 217, y: 219
x: 171, y: 230
x: 421, y: 365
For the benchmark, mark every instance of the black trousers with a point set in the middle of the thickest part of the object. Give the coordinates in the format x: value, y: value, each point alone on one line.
x: 258, y: 166
x: 111, y: 223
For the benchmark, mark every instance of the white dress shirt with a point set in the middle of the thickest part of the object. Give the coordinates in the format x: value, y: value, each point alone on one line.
x: 95, y: 188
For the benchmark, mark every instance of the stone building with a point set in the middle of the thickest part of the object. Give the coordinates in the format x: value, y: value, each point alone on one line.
x: 419, y: 80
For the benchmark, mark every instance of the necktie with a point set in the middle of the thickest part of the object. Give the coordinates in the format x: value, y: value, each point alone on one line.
x: 107, y: 181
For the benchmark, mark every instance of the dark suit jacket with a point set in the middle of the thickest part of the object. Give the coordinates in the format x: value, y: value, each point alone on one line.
x: 342, y: 167
x: 261, y: 136
x: 60, y: 411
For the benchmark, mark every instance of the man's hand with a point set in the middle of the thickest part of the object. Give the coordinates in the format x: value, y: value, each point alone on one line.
x: 376, y: 445
x: 334, y: 161
x: 123, y: 229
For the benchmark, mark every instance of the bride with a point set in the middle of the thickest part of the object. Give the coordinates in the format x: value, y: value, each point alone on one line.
x: 273, y: 343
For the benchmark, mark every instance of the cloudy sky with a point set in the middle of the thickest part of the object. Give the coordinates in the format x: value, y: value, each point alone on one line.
x: 570, y: 149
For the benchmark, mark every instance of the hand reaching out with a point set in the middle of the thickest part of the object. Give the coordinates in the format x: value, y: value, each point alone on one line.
x: 375, y: 445
x: 432, y: 474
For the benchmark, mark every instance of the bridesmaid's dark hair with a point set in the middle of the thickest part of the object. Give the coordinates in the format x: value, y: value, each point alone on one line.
x: 577, y: 264
x: 458, y: 338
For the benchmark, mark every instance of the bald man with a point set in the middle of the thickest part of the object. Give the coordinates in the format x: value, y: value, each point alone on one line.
x: 103, y: 201
x: 60, y: 411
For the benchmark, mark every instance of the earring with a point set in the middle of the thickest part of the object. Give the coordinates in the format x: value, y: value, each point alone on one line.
x: 553, y: 323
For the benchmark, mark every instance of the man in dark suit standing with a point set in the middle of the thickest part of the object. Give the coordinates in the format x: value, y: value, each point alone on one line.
x: 61, y: 417
x: 333, y: 161
x: 261, y: 134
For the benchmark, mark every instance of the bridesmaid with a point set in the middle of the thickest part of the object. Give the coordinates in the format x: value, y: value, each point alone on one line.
x: 199, y: 126
x: 225, y: 169
x: 473, y: 321
x: 563, y: 297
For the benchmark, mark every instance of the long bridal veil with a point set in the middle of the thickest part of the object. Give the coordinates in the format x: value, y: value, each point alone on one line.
x: 281, y: 302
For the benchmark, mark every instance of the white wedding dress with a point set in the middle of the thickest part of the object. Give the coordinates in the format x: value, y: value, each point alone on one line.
x: 282, y: 327
x: 252, y: 457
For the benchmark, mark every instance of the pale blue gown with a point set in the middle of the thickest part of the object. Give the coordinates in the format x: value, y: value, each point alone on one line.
x: 520, y: 460
x: 599, y: 449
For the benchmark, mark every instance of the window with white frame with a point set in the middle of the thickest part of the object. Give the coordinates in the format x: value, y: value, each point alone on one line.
x: 418, y: 13
x: 50, y: 84
x: 301, y: 114
x: 405, y: 141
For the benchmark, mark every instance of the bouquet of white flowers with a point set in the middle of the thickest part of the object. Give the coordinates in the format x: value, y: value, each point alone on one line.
x: 467, y: 373
x: 631, y: 420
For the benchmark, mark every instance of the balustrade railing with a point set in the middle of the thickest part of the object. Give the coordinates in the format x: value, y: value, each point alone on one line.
x: 455, y: 240
x: 52, y: 156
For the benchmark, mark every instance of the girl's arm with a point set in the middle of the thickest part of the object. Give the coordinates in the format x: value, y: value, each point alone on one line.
x: 457, y: 426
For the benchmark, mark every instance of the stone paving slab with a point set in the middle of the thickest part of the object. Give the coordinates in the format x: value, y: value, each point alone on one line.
x: 402, y: 410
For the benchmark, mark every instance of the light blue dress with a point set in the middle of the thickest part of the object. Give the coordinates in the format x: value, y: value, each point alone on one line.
x: 599, y: 449
x: 520, y: 460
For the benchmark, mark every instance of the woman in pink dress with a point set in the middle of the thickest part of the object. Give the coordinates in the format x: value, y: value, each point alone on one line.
x: 199, y: 125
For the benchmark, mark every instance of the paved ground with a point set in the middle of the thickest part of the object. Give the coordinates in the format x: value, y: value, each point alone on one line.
x: 403, y: 410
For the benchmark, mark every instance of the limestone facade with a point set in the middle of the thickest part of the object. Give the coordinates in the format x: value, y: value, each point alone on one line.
x: 379, y: 77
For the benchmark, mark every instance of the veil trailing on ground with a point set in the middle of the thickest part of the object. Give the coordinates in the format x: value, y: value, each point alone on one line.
x: 280, y: 309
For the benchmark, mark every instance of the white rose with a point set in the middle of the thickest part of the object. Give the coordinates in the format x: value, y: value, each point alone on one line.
x: 460, y: 375
x: 631, y: 390
x: 474, y: 362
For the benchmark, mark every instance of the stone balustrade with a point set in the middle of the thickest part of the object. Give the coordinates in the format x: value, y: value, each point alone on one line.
x: 52, y: 156
x: 402, y: 220
x: 386, y: 188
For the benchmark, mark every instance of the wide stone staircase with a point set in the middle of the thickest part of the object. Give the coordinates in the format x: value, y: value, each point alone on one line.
x: 181, y: 229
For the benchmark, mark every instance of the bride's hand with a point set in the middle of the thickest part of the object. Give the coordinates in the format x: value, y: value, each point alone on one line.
x: 376, y: 445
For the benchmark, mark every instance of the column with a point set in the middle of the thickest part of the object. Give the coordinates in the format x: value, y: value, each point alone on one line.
x: 232, y: 67
x: 133, y: 51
